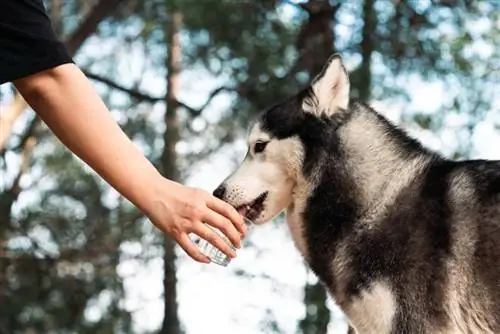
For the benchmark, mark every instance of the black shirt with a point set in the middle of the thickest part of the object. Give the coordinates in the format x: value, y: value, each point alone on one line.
x: 28, y: 43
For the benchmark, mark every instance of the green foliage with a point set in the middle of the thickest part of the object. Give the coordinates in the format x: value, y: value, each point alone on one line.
x: 317, y: 313
x: 68, y: 248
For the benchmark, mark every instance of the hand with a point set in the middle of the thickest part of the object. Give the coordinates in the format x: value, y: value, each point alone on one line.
x: 179, y: 210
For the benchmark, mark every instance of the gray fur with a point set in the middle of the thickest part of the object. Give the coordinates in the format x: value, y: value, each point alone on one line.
x: 404, y: 240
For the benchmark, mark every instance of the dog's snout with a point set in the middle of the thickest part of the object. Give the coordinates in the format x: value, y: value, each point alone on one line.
x: 220, y: 191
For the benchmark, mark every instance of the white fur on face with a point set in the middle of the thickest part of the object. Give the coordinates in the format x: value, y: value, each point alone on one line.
x: 273, y: 171
x: 330, y: 88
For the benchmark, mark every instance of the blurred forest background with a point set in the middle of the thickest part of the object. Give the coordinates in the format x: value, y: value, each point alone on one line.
x: 184, y: 79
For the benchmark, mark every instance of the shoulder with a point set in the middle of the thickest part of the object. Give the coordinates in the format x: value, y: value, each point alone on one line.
x: 29, y: 44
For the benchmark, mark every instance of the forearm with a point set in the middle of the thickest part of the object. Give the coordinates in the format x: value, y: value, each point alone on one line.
x: 68, y: 104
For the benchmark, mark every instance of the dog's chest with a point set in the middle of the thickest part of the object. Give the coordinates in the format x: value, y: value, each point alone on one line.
x: 373, y: 310
x: 295, y: 224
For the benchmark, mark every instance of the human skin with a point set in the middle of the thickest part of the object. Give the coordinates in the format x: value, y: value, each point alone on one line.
x: 66, y: 101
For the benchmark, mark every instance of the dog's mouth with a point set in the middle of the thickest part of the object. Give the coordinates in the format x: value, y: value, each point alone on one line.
x: 253, y: 209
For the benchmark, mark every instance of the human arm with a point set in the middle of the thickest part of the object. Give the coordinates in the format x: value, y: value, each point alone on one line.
x: 68, y: 104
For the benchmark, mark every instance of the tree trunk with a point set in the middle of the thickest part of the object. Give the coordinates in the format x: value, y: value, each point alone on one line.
x: 103, y: 9
x: 316, y: 44
x: 315, y: 41
x: 55, y: 16
x: 171, y: 323
x: 364, y: 84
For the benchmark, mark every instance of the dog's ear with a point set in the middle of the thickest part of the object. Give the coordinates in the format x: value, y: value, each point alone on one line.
x: 330, y: 89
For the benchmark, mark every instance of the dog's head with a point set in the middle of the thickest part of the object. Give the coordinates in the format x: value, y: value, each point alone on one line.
x: 285, y: 144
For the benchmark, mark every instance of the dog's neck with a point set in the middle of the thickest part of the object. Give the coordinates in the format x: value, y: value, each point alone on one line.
x: 380, y: 159
x: 376, y: 163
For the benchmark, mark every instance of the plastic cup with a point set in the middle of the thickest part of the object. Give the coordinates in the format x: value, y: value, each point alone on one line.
x: 212, y: 252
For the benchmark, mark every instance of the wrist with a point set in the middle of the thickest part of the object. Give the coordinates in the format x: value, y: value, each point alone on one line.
x: 157, y: 189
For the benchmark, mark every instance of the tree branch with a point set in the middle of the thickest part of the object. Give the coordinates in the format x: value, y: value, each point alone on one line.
x: 8, y: 117
x: 213, y: 94
x: 99, y: 12
x: 30, y: 131
x: 130, y: 91
x: 143, y: 97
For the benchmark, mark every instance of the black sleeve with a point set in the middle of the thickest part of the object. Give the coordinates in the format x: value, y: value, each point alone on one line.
x: 28, y: 43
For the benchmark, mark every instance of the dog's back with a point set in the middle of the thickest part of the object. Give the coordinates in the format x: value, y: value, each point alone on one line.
x: 474, y: 269
x: 437, y: 251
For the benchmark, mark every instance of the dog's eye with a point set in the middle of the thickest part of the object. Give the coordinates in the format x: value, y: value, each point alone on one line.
x: 260, y: 146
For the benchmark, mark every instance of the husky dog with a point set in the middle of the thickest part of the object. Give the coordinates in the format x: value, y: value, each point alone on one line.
x: 404, y: 240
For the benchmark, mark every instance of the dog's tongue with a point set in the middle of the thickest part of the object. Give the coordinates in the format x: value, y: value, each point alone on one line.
x: 243, y: 211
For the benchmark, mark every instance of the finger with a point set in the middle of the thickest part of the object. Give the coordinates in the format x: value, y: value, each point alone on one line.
x: 229, y: 212
x: 191, y: 249
x: 205, y: 232
x: 224, y: 225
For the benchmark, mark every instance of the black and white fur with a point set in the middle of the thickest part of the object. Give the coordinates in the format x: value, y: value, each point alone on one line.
x: 405, y: 240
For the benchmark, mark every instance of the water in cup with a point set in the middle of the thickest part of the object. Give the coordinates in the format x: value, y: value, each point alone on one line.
x: 212, y: 252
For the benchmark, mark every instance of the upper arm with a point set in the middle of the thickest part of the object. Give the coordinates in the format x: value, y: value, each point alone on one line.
x: 41, y: 83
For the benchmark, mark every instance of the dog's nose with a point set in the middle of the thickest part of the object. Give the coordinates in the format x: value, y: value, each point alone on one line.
x: 220, y: 191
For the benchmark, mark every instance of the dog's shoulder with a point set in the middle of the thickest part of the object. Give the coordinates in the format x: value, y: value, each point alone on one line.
x: 474, y: 181
x: 485, y: 177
